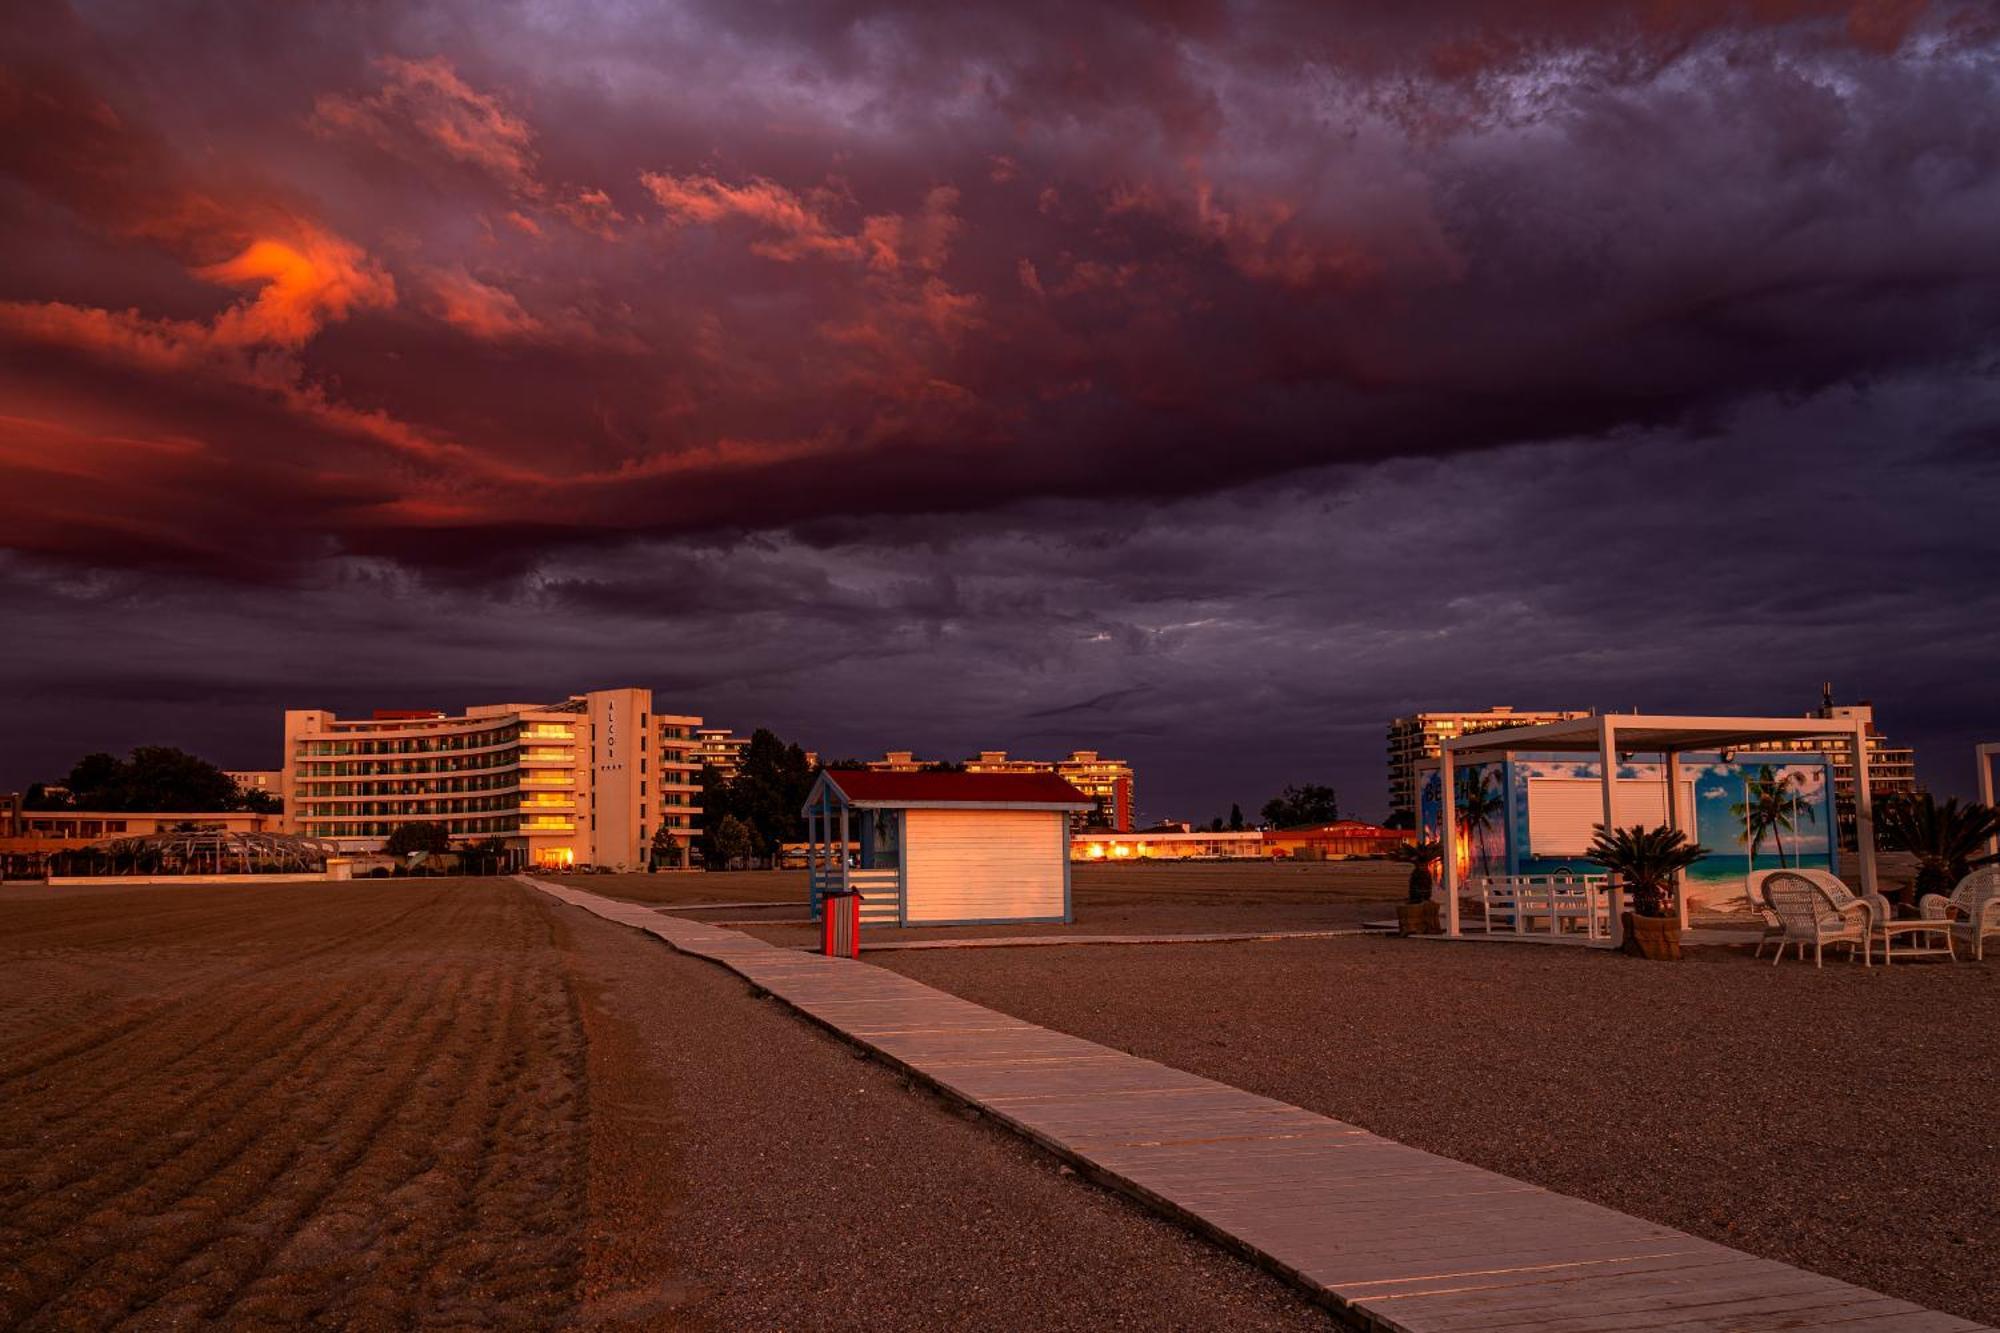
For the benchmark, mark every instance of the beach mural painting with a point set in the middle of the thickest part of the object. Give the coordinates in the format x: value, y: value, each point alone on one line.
x: 1531, y: 814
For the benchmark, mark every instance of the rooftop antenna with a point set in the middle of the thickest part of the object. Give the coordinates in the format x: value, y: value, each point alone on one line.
x: 1826, y: 698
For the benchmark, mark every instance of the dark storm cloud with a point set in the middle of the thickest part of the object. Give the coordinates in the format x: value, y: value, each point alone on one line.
x: 1226, y: 644
x: 748, y: 266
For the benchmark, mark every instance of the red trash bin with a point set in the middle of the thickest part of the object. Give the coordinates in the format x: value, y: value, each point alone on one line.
x: 840, y: 923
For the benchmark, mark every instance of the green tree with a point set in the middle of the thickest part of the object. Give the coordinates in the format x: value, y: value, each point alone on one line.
x: 427, y: 836
x: 732, y: 842
x: 1235, y: 817
x: 1768, y: 808
x: 484, y: 856
x: 666, y: 852
x: 1301, y: 805
x: 771, y: 784
x: 153, y: 778
x: 1479, y: 804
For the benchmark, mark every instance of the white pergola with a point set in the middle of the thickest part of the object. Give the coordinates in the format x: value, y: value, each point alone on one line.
x: 1988, y: 754
x: 1612, y: 736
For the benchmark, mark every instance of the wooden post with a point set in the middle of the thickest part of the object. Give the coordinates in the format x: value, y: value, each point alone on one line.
x: 1447, y: 835
x: 1607, y: 758
x: 1864, y: 809
x: 841, y: 854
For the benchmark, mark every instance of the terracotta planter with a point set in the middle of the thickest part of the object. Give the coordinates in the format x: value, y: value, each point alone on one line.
x: 1419, y: 919
x: 1655, y: 937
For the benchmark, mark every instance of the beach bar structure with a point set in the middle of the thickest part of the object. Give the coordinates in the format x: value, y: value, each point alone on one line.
x: 942, y: 848
x: 1615, y: 739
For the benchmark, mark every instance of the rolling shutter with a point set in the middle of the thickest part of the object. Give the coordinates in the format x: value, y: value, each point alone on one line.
x: 984, y: 865
x: 1562, y: 810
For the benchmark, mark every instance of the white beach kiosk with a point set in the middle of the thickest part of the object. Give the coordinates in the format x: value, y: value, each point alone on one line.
x: 1613, y: 739
x: 942, y: 848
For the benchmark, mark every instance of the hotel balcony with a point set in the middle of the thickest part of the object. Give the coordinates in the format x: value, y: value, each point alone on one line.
x: 548, y: 824
x: 544, y: 779
x: 548, y: 758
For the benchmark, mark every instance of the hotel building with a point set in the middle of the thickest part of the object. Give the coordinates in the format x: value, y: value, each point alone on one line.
x: 1107, y: 782
x: 268, y: 781
x: 720, y: 749
x: 1892, y: 769
x: 1416, y: 738
x: 587, y: 781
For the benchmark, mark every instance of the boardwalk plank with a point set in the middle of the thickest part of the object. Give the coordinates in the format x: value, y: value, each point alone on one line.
x: 1387, y: 1236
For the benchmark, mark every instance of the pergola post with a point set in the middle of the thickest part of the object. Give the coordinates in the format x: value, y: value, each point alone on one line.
x: 1447, y: 835
x: 1864, y: 809
x: 1986, y: 754
x: 1607, y: 752
x: 1671, y: 762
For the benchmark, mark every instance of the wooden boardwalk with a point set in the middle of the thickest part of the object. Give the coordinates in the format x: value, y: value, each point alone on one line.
x: 1386, y: 1236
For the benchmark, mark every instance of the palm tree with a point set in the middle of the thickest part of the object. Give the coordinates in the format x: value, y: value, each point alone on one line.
x: 1944, y: 838
x: 1478, y: 803
x: 1771, y: 808
x: 1648, y: 858
x: 1420, y: 856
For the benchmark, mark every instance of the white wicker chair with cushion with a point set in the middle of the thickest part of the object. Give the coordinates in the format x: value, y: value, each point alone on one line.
x: 1809, y: 914
x: 1975, y: 907
x: 1774, y: 931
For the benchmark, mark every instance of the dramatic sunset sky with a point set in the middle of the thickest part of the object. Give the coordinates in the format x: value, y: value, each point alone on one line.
x: 1201, y: 382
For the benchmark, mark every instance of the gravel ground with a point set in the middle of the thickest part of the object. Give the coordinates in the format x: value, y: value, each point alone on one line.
x: 1186, y: 898
x: 685, y: 887
x: 750, y: 1171
x: 1843, y: 1120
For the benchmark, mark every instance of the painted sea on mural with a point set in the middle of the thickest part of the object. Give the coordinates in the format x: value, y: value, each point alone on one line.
x: 1532, y: 815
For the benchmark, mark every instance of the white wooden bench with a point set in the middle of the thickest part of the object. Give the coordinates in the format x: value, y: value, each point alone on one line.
x: 1563, y: 903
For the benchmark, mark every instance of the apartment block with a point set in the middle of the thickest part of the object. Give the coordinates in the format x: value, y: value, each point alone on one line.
x: 588, y: 780
x: 268, y: 781
x: 1892, y: 768
x: 720, y: 749
x: 1420, y: 736
x: 1107, y: 782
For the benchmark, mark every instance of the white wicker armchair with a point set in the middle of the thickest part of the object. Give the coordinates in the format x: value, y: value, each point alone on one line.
x: 1975, y: 907
x: 1810, y: 914
x: 1774, y: 930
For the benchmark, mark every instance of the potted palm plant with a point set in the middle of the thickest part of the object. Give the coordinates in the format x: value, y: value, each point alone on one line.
x: 1647, y: 859
x: 1945, y: 839
x: 1418, y: 914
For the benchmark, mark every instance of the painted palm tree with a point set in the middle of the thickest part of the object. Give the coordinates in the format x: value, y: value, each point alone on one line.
x: 1771, y: 808
x: 1479, y: 803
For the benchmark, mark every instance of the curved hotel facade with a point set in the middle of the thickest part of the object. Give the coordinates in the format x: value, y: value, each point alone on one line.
x: 588, y: 781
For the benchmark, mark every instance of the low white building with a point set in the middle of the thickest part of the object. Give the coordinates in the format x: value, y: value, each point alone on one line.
x: 943, y: 848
